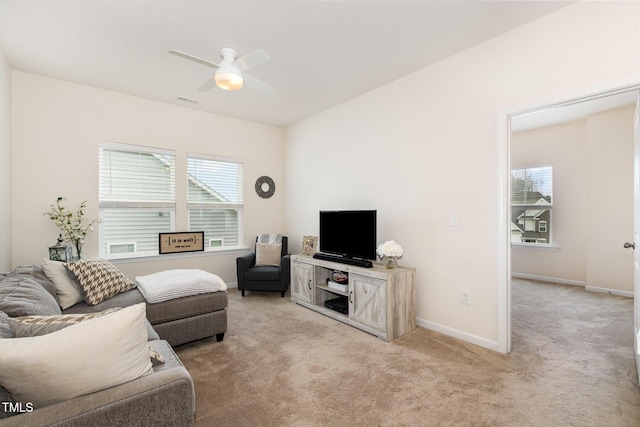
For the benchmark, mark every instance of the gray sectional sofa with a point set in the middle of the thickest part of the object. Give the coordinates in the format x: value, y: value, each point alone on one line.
x: 165, y: 397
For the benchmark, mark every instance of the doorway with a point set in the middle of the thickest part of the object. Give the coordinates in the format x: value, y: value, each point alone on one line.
x: 572, y: 180
x: 535, y: 116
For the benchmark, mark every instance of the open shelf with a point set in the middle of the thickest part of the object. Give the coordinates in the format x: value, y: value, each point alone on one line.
x: 332, y: 313
x: 333, y: 291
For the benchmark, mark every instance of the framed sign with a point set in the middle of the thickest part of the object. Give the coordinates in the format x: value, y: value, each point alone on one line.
x: 189, y: 241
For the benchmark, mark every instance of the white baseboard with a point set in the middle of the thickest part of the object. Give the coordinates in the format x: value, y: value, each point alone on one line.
x: 232, y: 285
x: 455, y: 333
x: 627, y: 294
x: 617, y: 292
x: 549, y: 279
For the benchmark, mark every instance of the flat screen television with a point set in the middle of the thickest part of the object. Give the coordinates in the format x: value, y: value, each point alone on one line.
x: 348, y: 234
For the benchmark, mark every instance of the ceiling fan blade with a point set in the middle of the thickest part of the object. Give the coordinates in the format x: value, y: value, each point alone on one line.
x: 193, y: 58
x: 251, y: 60
x: 208, y: 85
x: 258, y: 85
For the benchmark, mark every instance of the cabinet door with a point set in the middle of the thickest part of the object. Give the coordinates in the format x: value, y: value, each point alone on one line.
x: 367, y: 302
x: 302, y: 282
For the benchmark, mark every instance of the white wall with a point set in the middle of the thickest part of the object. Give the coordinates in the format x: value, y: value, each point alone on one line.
x: 5, y: 165
x: 610, y: 195
x: 565, y: 148
x: 426, y: 146
x: 56, y: 129
x: 593, y: 200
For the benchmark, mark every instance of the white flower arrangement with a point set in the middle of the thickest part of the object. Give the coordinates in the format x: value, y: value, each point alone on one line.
x: 73, y: 229
x: 389, y: 253
x: 390, y: 249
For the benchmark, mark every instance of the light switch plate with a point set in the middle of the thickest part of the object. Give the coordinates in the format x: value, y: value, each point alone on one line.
x: 454, y: 220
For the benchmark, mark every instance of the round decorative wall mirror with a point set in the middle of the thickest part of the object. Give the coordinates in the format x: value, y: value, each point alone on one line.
x: 265, y: 187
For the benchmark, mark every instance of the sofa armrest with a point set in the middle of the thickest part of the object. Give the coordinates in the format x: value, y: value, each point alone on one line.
x: 243, y: 263
x: 164, y: 398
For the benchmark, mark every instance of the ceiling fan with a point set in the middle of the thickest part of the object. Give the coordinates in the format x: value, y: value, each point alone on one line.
x: 230, y: 73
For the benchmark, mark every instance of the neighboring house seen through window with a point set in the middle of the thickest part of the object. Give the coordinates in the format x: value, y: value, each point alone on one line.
x: 531, y: 205
x: 137, y: 199
x: 214, y: 199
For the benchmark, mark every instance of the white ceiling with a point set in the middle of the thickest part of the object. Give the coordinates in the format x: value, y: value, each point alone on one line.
x: 322, y: 52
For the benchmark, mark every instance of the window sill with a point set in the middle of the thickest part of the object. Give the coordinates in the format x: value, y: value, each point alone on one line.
x: 127, y: 260
x: 549, y: 248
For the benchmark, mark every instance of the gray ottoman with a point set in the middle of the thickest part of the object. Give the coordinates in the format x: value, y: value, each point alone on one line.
x: 177, y: 321
x: 191, y: 318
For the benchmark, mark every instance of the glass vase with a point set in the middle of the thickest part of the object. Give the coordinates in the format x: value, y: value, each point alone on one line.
x: 78, y: 247
x: 390, y: 262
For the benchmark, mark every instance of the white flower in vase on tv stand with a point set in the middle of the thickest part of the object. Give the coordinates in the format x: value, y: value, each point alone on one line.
x: 389, y: 253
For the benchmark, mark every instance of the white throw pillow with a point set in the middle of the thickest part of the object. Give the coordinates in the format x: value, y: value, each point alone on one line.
x: 93, y: 355
x: 178, y: 283
x: 268, y: 254
x: 68, y: 292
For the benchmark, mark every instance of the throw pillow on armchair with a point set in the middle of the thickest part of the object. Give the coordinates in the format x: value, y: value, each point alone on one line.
x: 268, y: 268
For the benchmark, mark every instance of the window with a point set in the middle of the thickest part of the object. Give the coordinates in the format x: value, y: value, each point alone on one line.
x: 531, y: 205
x: 214, y: 199
x: 542, y: 227
x: 137, y: 199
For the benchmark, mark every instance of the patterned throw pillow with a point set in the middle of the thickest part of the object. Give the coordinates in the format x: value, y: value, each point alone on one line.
x: 99, y: 279
x: 33, y: 326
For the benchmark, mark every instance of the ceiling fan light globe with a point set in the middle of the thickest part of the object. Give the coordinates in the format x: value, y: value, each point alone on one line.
x: 228, y: 79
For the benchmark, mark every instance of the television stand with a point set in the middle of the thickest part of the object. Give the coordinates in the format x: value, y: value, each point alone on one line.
x: 380, y: 301
x: 351, y: 261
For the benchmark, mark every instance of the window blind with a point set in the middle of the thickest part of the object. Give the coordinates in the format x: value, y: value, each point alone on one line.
x: 136, y: 175
x: 529, y: 185
x: 214, y: 181
x: 137, y: 199
x: 215, y: 199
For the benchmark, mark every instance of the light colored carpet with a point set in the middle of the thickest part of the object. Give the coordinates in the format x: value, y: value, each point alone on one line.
x: 283, y: 365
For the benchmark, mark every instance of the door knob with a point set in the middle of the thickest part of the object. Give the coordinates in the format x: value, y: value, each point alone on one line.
x: 628, y: 245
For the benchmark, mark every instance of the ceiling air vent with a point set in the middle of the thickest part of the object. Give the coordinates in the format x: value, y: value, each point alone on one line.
x: 192, y: 101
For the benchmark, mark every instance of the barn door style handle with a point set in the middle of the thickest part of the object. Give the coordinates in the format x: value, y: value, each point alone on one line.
x: 309, y: 283
x: 351, y: 297
x: 628, y: 245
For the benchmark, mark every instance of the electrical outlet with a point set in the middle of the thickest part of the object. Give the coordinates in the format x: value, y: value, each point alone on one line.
x: 466, y: 297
